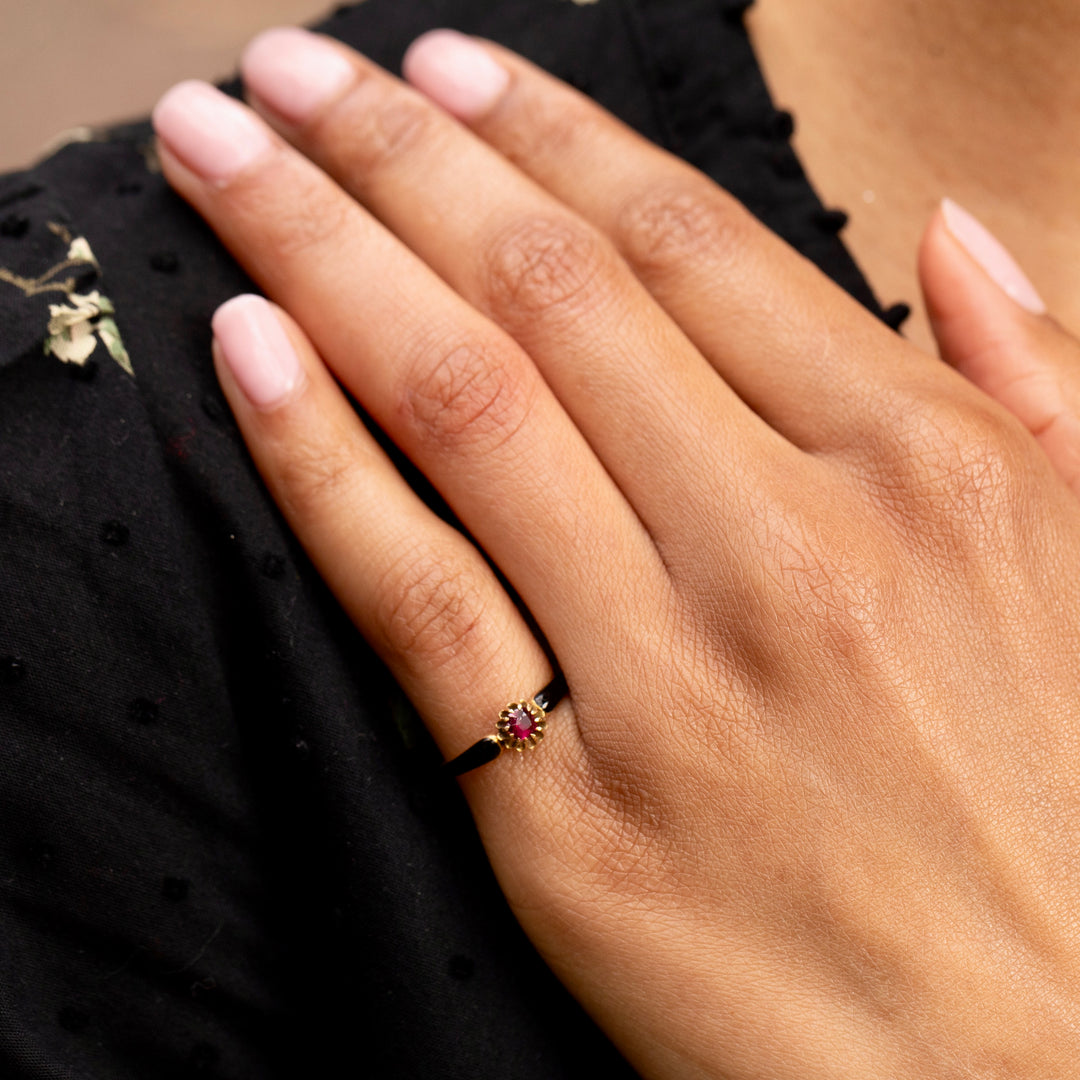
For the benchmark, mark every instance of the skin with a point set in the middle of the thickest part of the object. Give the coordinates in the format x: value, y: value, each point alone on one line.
x: 911, y: 100
x: 813, y: 807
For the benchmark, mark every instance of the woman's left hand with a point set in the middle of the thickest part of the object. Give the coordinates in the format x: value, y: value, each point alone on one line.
x: 812, y: 808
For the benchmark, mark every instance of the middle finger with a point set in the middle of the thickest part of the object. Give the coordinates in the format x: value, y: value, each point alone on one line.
x: 536, y: 268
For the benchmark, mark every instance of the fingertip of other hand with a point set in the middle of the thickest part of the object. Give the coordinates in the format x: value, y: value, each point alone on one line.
x: 991, y: 255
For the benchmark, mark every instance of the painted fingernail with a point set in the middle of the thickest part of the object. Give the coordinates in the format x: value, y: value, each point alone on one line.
x: 456, y: 72
x: 294, y: 71
x: 257, y: 350
x: 992, y: 256
x: 211, y: 133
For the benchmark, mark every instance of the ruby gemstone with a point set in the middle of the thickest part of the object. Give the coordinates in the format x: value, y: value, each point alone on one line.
x: 522, y: 723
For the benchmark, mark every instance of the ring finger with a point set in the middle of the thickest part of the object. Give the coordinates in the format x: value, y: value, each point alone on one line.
x: 457, y: 394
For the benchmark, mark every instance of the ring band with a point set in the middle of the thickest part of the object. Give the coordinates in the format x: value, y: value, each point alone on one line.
x: 520, y: 727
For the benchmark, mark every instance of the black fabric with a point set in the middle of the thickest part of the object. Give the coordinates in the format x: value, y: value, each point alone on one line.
x: 222, y: 849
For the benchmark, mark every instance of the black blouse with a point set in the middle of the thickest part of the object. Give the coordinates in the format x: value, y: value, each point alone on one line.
x: 225, y: 850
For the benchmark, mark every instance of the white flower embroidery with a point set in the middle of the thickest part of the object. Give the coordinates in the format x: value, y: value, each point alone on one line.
x: 80, y: 252
x: 76, y: 326
x: 74, y: 330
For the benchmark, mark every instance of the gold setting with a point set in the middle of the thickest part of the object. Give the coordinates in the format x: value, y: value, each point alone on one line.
x: 505, y: 736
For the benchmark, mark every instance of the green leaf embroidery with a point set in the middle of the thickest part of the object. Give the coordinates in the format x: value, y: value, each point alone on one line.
x: 74, y: 329
x: 110, y: 335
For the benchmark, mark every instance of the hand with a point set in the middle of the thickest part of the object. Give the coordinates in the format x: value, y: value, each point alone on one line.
x: 813, y: 807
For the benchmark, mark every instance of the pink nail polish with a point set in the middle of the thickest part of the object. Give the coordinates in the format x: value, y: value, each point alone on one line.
x: 295, y: 72
x: 257, y: 350
x: 213, y: 135
x: 992, y: 256
x: 456, y: 72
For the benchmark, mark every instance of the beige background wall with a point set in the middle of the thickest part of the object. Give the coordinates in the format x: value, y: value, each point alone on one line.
x: 65, y: 63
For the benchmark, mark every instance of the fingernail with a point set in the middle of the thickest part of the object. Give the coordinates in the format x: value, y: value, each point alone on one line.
x: 294, y: 71
x: 257, y: 350
x: 456, y: 72
x: 992, y: 256
x: 212, y: 134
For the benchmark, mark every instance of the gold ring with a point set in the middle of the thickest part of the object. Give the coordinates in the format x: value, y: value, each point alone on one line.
x: 520, y: 727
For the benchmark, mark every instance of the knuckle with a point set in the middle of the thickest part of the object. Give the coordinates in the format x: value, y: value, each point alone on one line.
x: 287, y: 208
x: 315, y: 474
x: 971, y: 451
x: 548, y: 127
x: 681, y: 222
x: 471, y: 396
x: 542, y: 264
x: 378, y: 126
x: 429, y: 609
x: 311, y: 220
x: 957, y: 469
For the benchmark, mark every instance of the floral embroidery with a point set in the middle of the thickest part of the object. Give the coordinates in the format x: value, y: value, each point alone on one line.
x: 74, y: 331
x: 77, y: 326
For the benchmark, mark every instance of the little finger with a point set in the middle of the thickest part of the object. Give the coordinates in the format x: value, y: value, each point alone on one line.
x: 417, y: 589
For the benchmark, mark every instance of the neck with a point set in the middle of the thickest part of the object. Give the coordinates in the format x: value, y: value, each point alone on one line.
x: 951, y: 79
x: 900, y: 102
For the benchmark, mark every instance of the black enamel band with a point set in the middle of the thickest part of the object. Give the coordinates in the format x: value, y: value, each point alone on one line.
x: 521, y: 726
x: 552, y: 694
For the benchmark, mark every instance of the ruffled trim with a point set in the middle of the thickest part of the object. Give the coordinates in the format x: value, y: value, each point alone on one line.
x: 708, y: 94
